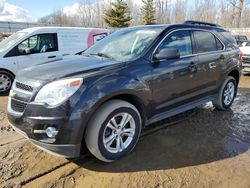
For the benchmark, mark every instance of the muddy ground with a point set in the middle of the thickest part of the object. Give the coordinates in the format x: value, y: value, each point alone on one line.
x: 200, y: 148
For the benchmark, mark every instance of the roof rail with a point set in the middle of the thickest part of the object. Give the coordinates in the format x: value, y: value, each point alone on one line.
x: 201, y: 23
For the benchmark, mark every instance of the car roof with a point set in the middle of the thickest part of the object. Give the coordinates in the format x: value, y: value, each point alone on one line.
x: 181, y: 26
x: 54, y: 29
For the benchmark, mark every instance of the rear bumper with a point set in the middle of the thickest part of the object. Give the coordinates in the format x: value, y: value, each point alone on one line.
x: 67, y: 150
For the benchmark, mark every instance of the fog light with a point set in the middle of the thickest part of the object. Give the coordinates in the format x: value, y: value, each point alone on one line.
x: 51, y: 132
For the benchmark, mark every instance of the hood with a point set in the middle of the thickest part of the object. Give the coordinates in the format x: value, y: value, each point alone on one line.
x: 68, y: 66
x: 245, y: 50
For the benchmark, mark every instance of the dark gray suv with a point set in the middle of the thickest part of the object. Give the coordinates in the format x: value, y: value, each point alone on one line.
x: 132, y: 78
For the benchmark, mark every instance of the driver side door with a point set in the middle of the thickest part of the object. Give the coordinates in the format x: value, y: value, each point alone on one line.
x: 37, y: 49
x: 174, y: 79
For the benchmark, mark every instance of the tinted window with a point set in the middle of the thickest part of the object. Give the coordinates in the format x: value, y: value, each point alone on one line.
x: 38, y: 44
x: 206, y: 42
x: 219, y: 44
x: 229, y: 37
x: 180, y: 40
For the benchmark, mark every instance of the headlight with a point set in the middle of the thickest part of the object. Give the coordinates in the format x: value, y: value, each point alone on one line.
x: 57, y: 92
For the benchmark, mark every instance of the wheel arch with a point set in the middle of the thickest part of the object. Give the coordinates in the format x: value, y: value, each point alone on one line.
x: 10, y: 72
x: 236, y: 74
x: 128, y: 97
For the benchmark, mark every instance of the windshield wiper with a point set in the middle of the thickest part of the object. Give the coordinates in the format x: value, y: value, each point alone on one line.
x: 102, y: 55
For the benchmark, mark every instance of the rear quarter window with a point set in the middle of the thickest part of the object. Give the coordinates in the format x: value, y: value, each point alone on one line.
x: 230, y: 39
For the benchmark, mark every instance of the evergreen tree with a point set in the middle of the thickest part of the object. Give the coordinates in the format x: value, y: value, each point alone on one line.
x: 118, y: 15
x: 148, y: 12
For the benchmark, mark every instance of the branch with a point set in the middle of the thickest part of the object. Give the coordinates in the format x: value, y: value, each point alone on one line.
x: 234, y: 5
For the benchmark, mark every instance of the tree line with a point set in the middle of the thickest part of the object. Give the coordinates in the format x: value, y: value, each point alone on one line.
x: 123, y: 13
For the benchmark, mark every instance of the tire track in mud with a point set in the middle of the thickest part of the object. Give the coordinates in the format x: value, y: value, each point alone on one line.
x: 87, y: 158
x: 12, y: 142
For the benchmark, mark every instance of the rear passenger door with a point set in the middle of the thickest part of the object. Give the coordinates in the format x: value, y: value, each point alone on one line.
x: 211, y: 55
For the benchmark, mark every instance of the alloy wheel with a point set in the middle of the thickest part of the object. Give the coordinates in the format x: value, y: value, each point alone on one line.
x: 229, y: 93
x: 119, y: 133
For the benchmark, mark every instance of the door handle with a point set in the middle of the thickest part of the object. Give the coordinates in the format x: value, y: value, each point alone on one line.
x: 192, y: 67
x: 53, y: 56
x: 212, y: 65
x: 222, y: 57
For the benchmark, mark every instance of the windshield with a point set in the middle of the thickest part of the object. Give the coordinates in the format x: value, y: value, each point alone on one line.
x: 125, y: 44
x: 8, y: 42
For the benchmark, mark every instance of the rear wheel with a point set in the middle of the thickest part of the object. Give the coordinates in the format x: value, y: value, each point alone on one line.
x: 113, y: 131
x: 6, y: 80
x: 226, y: 94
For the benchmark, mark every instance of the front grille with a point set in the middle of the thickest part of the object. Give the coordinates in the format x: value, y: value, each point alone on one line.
x: 24, y: 87
x: 17, y: 105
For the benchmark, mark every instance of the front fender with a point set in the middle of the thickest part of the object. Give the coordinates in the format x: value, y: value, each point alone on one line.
x: 106, y: 88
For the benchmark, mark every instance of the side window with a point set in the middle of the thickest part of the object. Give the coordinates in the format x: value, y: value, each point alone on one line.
x: 38, y: 44
x: 99, y: 37
x: 219, y: 44
x: 180, y: 40
x: 206, y: 42
x: 28, y: 44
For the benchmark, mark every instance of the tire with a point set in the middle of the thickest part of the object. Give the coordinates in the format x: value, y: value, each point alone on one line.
x: 101, y: 129
x: 6, y: 81
x: 221, y: 102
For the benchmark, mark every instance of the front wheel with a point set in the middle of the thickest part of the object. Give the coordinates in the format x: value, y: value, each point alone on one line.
x: 6, y: 80
x: 227, y: 94
x: 113, y: 131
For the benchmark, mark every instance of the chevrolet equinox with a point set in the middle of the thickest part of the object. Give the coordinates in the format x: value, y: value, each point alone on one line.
x: 104, y: 97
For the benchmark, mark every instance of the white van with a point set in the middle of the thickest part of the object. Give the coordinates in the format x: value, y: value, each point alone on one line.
x: 41, y: 44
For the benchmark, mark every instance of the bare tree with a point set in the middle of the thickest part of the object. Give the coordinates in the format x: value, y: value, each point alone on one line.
x: 238, y: 6
x: 225, y: 14
x: 179, y: 13
x: 162, y: 11
x: 204, y: 10
x: 228, y: 13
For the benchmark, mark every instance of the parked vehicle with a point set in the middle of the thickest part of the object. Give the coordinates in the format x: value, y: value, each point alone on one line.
x: 240, y: 39
x: 42, y: 44
x: 245, y: 56
x: 127, y: 81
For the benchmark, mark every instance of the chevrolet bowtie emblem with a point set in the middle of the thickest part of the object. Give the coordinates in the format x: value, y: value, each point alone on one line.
x: 12, y: 93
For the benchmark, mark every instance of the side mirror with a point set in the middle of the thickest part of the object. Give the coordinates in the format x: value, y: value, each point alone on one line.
x: 167, y: 53
x: 28, y: 50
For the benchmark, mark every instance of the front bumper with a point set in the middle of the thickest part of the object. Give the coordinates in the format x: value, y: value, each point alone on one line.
x: 67, y: 142
x: 67, y: 151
